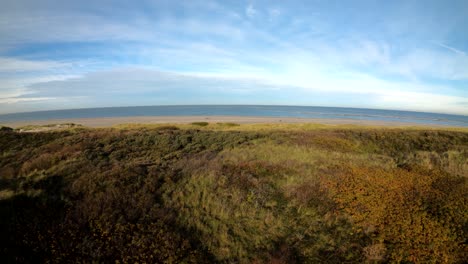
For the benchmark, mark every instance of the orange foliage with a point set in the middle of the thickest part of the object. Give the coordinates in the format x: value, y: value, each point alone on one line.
x: 395, y: 207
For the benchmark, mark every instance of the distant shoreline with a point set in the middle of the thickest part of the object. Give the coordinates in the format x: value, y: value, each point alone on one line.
x: 235, y: 113
x: 111, y: 121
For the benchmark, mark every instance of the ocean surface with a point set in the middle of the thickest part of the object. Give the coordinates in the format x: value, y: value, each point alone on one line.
x: 246, y: 110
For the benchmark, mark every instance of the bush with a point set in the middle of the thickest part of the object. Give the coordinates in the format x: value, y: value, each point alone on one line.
x: 202, y: 124
x: 6, y: 129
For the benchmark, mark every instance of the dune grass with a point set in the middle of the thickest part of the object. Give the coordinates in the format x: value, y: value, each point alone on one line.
x: 229, y: 193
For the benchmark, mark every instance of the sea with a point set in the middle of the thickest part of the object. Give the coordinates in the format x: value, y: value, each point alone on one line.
x: 246, y: 110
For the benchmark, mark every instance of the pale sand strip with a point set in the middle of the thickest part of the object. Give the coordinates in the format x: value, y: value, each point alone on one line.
x: 110, y: 121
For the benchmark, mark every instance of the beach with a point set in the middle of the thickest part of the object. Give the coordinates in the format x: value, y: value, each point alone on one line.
x: 112, y: 121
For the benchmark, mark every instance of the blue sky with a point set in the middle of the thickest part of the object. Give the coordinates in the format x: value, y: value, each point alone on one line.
x: 406, y: 55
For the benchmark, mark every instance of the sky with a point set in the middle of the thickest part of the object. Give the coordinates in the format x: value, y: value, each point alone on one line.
x: 400, y: 55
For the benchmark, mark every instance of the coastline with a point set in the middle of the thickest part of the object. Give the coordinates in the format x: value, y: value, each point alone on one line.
x: 102, y: 122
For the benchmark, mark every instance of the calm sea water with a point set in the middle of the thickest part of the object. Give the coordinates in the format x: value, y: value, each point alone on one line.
x: 246, y: 110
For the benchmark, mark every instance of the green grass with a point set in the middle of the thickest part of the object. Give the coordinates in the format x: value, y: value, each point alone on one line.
x: 222, y: 193
x: 202, y: 124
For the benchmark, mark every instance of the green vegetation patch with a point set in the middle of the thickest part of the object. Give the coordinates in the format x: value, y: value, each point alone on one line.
x: 202, y: 124
x: 228, y: 124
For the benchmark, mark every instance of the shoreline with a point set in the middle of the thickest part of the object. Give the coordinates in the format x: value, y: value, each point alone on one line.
x: 100, y: 122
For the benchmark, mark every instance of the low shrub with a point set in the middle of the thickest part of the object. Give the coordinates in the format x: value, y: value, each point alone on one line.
x: 202, y: 124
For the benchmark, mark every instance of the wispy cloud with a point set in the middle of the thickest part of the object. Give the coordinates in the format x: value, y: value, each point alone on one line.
x: 21, y: 65
x: 274, y: 13
x: 14, y: 100
x: 450, y: 48
x: 250, y: 11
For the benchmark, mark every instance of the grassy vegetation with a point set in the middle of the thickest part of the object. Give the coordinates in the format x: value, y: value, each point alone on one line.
x: 200, y: 124
x: 234, y: 193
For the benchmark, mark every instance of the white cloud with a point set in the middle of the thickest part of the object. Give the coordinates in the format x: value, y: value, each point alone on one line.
x: 424, y: 102
x: 20, y: 65
x: 15, y: 89
x: 274, y: 13
x: 250, y: 11
x: 170, y: 87
x: 451, y: 48
x: 382, y: 58
x: 14, y: 100
x: 430, y: 63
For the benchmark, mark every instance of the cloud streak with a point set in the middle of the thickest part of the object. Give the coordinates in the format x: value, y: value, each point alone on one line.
x: 20, y: 65
x: 451, y: 49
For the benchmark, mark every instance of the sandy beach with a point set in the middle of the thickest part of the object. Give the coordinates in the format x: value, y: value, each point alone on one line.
x: 111, y: 121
